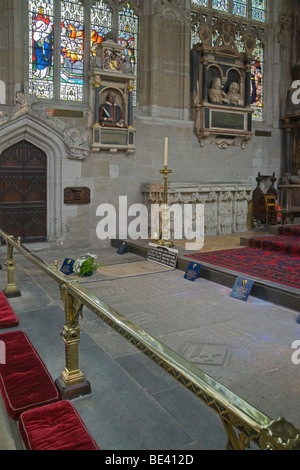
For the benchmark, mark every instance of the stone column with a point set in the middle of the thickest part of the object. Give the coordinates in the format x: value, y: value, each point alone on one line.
x: 130, y: 108
x: 287, y: 148
x: 96, y: 84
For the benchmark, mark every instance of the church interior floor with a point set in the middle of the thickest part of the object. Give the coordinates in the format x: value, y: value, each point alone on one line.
x: 135, y: 405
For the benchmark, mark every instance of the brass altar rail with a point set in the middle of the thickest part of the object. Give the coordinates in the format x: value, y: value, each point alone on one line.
x: 242, y: 422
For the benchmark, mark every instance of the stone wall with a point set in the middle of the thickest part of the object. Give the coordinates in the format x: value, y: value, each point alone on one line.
x: 164, y: 110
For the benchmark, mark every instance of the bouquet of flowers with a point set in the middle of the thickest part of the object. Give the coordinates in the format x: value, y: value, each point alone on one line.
x: 85, y: 265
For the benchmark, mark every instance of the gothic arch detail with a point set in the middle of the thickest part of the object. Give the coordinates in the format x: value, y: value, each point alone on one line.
x: 36, y: 133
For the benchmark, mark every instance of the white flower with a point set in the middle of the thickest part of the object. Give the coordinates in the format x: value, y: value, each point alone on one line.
x: 79, y: 262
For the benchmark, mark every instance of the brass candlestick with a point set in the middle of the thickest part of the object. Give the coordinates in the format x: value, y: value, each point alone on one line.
x: 165, y: 241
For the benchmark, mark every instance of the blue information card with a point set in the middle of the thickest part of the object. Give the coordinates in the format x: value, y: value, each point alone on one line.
x: 67, y: 266
x: 192, y: 271
x: 241, y: 289
x: 122, y: 248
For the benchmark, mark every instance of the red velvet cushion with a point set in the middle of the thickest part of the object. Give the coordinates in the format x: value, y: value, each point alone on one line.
x: 24, y: 380
x: 55, y: 427
x: 8, y: 318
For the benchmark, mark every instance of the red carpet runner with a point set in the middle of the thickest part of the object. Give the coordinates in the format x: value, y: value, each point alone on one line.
x: 275, y: 258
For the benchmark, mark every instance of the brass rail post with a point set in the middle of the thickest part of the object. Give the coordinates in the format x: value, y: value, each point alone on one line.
x: 72, y: 382
x: 11, y: 289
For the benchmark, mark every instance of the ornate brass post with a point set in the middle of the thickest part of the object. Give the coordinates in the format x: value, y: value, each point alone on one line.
x: 11, y: 289
x: 71, y: 383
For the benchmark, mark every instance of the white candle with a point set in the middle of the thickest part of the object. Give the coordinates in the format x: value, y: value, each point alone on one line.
x: 166, y: 152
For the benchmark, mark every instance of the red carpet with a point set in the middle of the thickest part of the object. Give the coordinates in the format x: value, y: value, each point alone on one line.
x: 285, y: 244
x: 275, y: 259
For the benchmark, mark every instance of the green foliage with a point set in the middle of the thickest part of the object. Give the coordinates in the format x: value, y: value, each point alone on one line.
x: 85, y: 265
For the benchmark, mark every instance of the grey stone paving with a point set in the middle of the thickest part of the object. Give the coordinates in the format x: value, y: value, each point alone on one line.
x: 134, y: 404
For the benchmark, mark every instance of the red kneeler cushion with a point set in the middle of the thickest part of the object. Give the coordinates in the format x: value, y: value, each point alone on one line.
x: 55, y: 427
x: 8, y: 318
x: 24, y: 379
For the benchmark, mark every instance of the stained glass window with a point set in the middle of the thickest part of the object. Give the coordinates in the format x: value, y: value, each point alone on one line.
x: 255, y: 9
x: 259, y: 10
x: 128, y: 37
x: 41, y: 39
x: 221, y: 5
x: 240, y: 7
x: 128, y: 32
x: 257, y: 79
x: 201, y: 3
x: 101, y: 24
x: 60, y: 74
x: 72, y: 34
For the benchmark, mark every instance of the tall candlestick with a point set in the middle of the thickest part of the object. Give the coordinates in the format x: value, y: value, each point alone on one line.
x: 166, y: 152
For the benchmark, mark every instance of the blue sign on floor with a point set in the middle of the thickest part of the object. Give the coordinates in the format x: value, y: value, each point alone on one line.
x: 192, y: 271
x: 241, y: 289
x: 122, y: 248
x: 67, y: 266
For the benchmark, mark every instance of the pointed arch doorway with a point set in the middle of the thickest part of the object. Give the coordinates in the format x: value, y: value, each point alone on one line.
x: 23, y: 192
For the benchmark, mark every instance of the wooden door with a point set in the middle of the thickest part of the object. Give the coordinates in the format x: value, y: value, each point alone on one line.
x: 23, y: 192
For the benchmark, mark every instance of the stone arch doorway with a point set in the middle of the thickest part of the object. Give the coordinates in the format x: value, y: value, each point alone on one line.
x: 23, y: 191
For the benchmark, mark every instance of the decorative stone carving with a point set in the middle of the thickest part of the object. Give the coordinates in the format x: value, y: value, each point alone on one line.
x: 233, y: 96
x: 161, y: 7
x: 113, y: 75
x: 221, y: 83
x: 77, y: 195
x: 216, y: 93
x: 76, y: 143
x: 225, y: 204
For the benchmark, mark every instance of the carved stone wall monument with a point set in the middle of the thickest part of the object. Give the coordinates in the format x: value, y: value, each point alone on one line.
x: 221, y: 88
x: 112, y: 73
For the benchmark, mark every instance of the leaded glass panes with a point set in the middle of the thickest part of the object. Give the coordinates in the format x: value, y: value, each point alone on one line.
x: 259, y: 10
x: 101, y: 24
x: 128, y: 37
x: 72, y: 35
x: 221, y: 5
x: 239, y: 7
x: 255, y: 9
x: 257, y: 69
x: 128, y: 32
x: 201, y: 3
x: 41, y: 48
x: 67, y: 20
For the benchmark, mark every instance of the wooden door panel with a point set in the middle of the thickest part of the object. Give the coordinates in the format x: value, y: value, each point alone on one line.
x: 23, y: 191
x: 11, y: 185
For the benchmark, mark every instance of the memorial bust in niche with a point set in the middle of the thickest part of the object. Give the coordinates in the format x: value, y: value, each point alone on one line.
x: 110, y: 114
x: 215, y: 93
x: 233, y: 96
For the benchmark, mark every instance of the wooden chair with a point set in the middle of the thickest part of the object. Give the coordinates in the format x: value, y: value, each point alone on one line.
x: 271, y: 210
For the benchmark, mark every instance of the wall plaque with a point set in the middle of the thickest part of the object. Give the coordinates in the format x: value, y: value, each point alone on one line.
x: 77, y: 195
x: 227, y: 120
